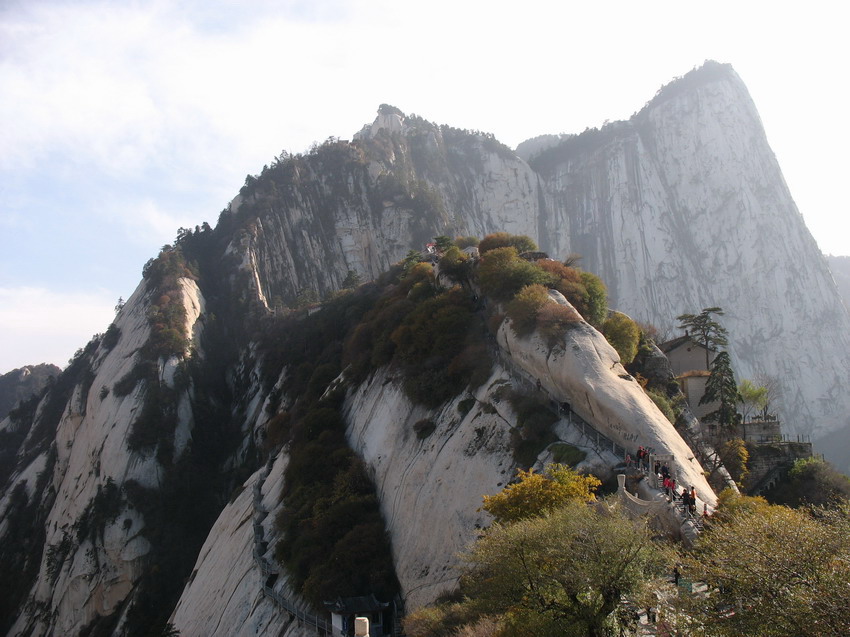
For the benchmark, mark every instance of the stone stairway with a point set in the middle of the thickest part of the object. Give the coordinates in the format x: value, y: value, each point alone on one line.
x: 271, y: 571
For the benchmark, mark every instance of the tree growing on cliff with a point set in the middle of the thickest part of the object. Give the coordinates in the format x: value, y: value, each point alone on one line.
x: 721, y: 388
x: 753, y: 398
x: 704, y: 329
x: 520, y: 242
x: 623, y: 334
x: 501, y: 273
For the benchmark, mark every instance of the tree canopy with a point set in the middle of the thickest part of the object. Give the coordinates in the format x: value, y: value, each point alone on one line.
x: 721, y: 388
x: 770, y: 571
x: 703, y: 328
x: 752, y: 398
x: 623, y: 334
x: 534, y: 494
x: 562, y: 574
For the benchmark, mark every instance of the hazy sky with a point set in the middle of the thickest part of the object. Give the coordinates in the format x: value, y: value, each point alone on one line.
x: 122, y: 121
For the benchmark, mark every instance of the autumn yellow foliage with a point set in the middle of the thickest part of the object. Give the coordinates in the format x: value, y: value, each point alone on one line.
x: 534, y: 494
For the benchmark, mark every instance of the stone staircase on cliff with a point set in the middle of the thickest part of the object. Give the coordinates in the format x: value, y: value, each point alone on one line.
x: 270, y: 570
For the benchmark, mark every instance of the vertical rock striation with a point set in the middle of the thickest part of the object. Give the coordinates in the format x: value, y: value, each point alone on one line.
x: 683, y: 207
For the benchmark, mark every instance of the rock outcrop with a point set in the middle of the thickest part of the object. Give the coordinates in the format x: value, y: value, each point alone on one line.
x: 20, y: 384
x: 684, y: 207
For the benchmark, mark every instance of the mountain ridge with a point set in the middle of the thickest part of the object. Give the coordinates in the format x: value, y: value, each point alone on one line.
x: 140, y: 444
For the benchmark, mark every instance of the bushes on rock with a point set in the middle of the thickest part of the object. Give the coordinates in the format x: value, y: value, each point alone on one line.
x: 525, y: 306
x: 466, y: 242
x: 334, y: 543
x: 533, y: 427
x: 501, y: 273
x: 597, y: 299
x: 623, y: 334
x: 521, y: 243
x: 455, y: 264
x: 554, y: 319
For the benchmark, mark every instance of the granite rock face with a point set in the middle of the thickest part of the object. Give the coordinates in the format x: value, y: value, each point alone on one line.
x: 680, y: 208
x: 684, y: 207
x: 22, y: 383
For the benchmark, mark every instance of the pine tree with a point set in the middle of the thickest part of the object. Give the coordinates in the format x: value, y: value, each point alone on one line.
x: 721, y: 387
x: 705, y: 329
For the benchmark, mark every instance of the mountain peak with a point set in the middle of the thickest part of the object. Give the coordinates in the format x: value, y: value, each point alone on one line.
x: 710, y: 71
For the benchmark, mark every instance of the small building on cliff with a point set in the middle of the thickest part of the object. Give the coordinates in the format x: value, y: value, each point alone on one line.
x: 771, y: 453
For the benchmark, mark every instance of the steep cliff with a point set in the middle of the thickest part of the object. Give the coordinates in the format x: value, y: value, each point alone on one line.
x: 131, y: 498
x: 684, y: 207
x: 681, y: 207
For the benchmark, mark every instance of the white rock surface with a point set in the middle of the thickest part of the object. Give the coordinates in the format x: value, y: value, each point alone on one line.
x: 685, y: 207
x: 585, y: 371
x: 224, y: 596
x: 91, y: 449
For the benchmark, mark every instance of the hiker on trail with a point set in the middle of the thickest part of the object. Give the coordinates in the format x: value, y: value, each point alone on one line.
x: 693, y: 500
x: 672, y: 489
x: 665, y: 470
x: 628, y: 460
x: 686, y: 498
x: 657, y: 467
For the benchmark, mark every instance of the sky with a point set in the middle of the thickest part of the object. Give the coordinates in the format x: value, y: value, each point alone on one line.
x: 121, y: 122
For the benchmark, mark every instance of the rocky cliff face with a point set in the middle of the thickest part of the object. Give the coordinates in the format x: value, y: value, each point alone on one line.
x: 840, y: 268
x: 684, y: 207
x: 20, y: 384
x: 131, y: 496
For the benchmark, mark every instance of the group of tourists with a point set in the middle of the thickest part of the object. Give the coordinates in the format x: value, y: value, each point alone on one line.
x: 668, y: 483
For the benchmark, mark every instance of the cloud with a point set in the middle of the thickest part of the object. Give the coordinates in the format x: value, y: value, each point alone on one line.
x: 38, y: 325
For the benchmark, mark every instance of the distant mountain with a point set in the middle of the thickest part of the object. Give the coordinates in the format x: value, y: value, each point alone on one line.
x: 20, y: 384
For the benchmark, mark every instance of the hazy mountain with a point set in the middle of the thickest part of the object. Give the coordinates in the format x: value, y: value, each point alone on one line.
x: 20, y: 384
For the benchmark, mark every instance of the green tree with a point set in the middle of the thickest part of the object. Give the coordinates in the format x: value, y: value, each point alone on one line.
x: 812, y: 481
x: 501, y: 273
x: 466, y: 242
x: 351, y: 281
x: 534, y: 494
x: 753, y: 398
x: 705, y: 329
x: 525, y: 306
x: 721, y: 388
x: 561, y: 574
x: 455, y: 264
x: 521, y: 243
x: 410, y: 260
x: 306, y: 297
x: 734, y: 455
x: 597, y: 299
x: 623, y: 334
x: 770, y: 571
x: 443, y: 243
